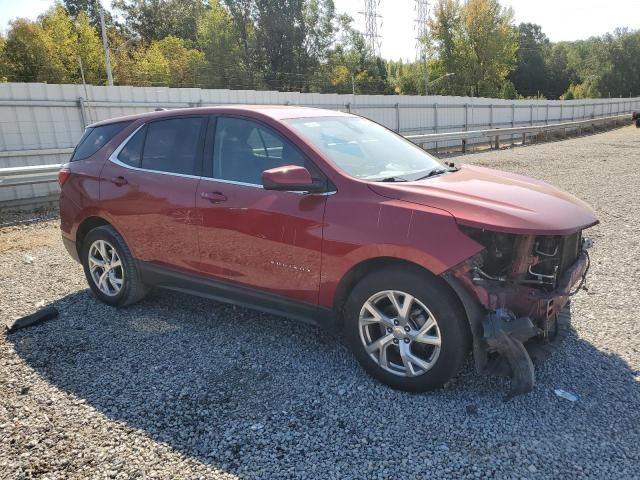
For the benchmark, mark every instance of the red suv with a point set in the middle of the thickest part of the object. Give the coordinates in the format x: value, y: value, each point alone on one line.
x: 332, y: 219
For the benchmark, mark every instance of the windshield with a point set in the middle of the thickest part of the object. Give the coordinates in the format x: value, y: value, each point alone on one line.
x: 364, y: 149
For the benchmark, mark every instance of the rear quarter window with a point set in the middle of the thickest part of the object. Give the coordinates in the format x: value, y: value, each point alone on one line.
x: 95, y: 138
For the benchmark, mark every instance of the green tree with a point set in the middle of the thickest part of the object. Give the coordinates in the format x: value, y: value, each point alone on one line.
x: 491, y: 41
x: 291, y: 38
x: 91, y: 8
x: 557, y: 72
x: 622, y: 77
x: 580, y: 91
x: 350, y: 66
x: 408, y: 78
x: 50, y: 49
x: 218, y: 39
x: 168, y: 62
x: 4, y: 66
x: 445, y: 47
x: 26, y: 57
x: 152, y: 20
x: 475, y: 41
x: 529, y: 77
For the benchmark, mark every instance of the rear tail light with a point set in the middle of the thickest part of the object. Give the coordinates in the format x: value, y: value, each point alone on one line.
x: 63, y: 174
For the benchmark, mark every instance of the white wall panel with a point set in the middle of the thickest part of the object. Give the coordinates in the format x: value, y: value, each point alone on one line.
x: 37, y: 116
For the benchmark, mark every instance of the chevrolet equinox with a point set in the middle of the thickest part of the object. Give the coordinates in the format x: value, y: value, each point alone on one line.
x: 329, y: 218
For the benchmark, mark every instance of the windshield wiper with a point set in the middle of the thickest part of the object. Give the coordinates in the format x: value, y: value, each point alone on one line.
x: 392, y: 179
x: 433, y: 173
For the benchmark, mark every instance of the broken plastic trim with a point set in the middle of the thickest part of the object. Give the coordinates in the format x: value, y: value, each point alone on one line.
x: 505, y: 334
x: 35, y: 318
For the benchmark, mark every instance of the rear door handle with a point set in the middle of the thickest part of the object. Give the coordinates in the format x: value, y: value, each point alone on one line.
x: 119, y: 181
x: 214, y: 197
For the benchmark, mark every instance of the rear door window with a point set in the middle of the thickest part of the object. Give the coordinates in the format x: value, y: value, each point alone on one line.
x: 173, y: 145
x: 95, y: 138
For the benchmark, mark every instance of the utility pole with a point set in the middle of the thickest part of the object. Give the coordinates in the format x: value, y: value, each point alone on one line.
x: 422, y: 9
x: 105, y: 45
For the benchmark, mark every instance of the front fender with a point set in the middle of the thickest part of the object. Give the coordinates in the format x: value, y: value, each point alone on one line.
x: 428, y: 237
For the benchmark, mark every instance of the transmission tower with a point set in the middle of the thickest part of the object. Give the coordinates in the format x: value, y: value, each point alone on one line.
x: 371, y: 20
x: 422, y: 9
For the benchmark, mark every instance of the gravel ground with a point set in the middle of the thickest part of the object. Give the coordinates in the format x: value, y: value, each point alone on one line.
x: 180, y: 387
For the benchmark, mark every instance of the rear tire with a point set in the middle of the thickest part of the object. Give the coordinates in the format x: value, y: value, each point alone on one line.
x: 407, y: 329
x: 111, y: 270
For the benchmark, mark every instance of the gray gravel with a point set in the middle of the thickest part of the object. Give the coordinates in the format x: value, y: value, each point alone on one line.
x: 180, y: 387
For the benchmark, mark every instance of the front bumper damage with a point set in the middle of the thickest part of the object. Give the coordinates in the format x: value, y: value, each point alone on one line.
x: 516, y: 325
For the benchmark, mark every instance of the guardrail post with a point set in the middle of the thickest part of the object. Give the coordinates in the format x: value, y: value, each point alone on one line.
x: 546, y: 115
x: 466, y: 117
x: 531, y: 114
x: 397, y: 117
x: 513, y: 119
x: 435, y: 118
x: 466, y: 126
x: 435, y: 123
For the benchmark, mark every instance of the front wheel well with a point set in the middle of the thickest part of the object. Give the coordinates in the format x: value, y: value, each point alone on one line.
x: 366, y: 267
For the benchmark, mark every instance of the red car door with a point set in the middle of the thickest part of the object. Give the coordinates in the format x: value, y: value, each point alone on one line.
x: 268, y: 240
x: 148, y: 186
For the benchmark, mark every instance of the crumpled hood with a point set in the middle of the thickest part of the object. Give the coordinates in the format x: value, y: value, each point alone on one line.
x: 498, y: 201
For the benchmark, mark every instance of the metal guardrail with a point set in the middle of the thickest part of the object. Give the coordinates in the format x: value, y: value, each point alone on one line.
x: 494, y: 134
x: 47, y: 173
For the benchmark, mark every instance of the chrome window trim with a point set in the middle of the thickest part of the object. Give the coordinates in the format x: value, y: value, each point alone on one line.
x: 113, y: 158
x: 255, y: 185
x: 233, y: 182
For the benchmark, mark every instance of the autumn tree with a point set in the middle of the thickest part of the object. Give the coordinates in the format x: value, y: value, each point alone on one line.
x: 477, y: 42
x: 52, y: 48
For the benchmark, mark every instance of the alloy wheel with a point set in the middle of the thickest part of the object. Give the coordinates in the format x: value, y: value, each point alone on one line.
x: 399, y: 333
x: 105, y: 267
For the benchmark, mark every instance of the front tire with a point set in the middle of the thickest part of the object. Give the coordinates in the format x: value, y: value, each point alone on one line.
x: 110, y: 268
x: 407, y: 329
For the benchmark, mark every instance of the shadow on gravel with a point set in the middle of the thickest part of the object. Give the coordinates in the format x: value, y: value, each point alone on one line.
x: 250, y: 392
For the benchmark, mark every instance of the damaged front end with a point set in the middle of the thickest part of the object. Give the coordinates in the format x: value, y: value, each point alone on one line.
x: 516, y: 293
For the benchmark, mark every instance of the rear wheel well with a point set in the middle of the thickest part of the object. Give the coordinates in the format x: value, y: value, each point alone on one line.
x: 362, y: 269
x: 85, y: 227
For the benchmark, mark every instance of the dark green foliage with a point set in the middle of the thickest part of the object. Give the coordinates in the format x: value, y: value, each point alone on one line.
x: 473, y: 48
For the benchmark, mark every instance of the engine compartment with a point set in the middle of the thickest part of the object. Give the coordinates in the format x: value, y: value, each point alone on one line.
x: 523, y: 283
x: 529, y: 275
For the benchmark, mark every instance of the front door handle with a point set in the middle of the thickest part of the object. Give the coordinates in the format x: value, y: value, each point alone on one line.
x: 119, y: 181
x: 214, y: 197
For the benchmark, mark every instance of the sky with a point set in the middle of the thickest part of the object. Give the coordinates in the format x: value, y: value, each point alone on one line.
x: 560, y: 19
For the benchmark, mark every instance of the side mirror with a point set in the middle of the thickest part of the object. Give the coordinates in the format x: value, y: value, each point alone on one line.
x: 290, y: 178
